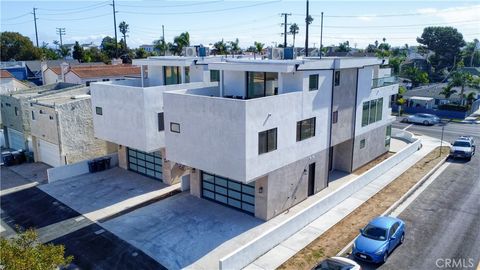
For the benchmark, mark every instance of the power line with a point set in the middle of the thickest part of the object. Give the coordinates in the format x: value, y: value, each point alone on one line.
x: 16, y: 17
x: 200, y: 12
x: 17, y: 23
x: 78, y: 19
x: 74, y: 12
x: 394, y: 26
x: 179, y: 5
x: 79, y: 8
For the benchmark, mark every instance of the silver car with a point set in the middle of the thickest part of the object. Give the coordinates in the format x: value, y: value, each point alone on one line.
x: 422, y: 118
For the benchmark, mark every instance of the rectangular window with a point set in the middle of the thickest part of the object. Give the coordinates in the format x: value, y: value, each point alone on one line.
x: 313, y: 82
x: 99, y: 110
x: 379, y: 109
x: 161, y: 124
x: 7, y: 104
x: 88, y: 83
x: 187, y: 74
x: 214, y: 75
x: 261, y: 84
x: 388, y: 136
x: 335, y: 117
x: 362, y: 144
x: 337, y: 78
x: 305, y: 129
x: 267, y: 141
x: 16, y: 111
x: 366, y: 106
x: 33, y: 115
x: 105, y: 80
x: 51, y: 117
x: 171, y: 75
x: 372, y: 113
x: 175, y: 127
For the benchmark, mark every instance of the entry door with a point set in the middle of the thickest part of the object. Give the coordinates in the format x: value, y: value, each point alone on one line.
x: 311, y: 179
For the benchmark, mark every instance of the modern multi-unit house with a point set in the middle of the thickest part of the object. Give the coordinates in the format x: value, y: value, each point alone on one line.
x: 256, y: 135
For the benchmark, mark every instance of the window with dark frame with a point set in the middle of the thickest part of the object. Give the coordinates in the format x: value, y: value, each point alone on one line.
x: 362, y: 144
x: 174, y: 127
x: 337, y: 78
x: 161, y: 124
x: 267, y: 141
x: 335, y: 117
x: 171, y: 75
x: 33, y: 115
x: 99, y: 110
x: 214, y: 75
x: 388, y: 136
x: 51, y: 117
x: 305, y: 129
x: 313, y: 82
x: 16, y: 111
x: 261, y: 84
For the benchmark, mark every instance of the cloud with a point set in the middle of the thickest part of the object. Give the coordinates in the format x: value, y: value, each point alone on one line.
x: 366, y: 18
x: 452, y: 15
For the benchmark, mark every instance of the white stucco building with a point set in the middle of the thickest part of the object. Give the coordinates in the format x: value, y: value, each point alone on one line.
x: 256, y: 135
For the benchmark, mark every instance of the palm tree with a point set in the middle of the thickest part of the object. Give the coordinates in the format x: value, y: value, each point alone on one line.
x: 160, y: 45
x: 181, y: 41
x: 123, y: 27
x: 294, y: 31
x: 234, y: 47
x: 461, y: 79
x: 470, y: 98
x: 259, y: 46
x: 448, y: 92
x: 221, y: 47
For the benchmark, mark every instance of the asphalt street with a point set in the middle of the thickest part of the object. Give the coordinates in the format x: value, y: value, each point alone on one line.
x: 443, y: 230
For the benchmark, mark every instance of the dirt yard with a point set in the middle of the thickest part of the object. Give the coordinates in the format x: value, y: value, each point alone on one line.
x: 373, y: 163
x: 341, y: 234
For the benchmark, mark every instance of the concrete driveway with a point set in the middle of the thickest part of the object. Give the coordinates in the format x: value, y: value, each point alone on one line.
x: 24, y: 175
x: 181, y: 229
x: 105, y: 193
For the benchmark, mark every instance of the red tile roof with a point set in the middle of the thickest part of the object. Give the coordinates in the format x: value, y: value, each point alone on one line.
x: 6, y: 74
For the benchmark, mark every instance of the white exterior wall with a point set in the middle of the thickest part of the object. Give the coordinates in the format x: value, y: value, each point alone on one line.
x: 366, y: 93
x: 71, y: 77
x: 220, y: 135
x: 10, y: 85
x: 155, y: 75
x: 50, y: 77
x: 235, y: 83
x: 384, y: 72
x: 199, y: 73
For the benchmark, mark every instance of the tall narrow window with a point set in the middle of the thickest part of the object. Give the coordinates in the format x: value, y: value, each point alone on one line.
x: 388, y: 136
x: 366, y: 106
x: 335, y: 117
x: 161, y: 124
x: 379, y: 109
x: 305, y: 129
x: 313, y: 82
x: 16, y: 111
x: 337, y: 78
x: 171, y: 75
x: 362, y: 144
x: 261, y: 84
x: 187, y: 74
x: 267, y: 141
x: 372, y: 112
x: 33, y: 115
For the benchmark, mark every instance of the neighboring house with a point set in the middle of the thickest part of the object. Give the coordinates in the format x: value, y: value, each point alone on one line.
x: 259, y: 136
x: 62, y: 128
x: 21, y: 72
x: 148, y: 48
x: 8, y: 83
x: 429, y: 96
x: 16, y: 114
x: 88, y: 74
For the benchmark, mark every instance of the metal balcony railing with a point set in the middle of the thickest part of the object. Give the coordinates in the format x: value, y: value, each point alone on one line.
x: 380, y: 82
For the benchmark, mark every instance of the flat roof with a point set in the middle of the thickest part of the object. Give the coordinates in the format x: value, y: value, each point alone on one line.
x: 421, y: 98
x: 63, y: 97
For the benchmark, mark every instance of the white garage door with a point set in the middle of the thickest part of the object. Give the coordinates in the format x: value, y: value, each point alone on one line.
x: 48, y: 153
x: 15, y: 139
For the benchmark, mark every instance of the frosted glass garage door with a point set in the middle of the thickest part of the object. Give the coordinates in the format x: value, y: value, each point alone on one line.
x: 148, y: 164
x: 228, y: 192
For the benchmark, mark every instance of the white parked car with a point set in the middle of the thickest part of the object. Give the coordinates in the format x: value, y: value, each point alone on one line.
x: 422, y: 118
x: 338, y: 263
x: 463, y: 147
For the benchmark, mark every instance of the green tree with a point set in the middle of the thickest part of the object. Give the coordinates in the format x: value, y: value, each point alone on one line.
x: 415, y: 75
x: 235, y: 47
x: 401, y: 91
x: 63, y: 51
x: 448, y: 91
x: 77, y: 52
x: 48, y: 53
x: 161, y: 46
x: 14, y: 46
x: 462, y: 80
x: 220, y: 47
x: 343, y: 47
x: 123, y: 27
x: 141, y: 53
x: 179, y: 42
x: 395, y: 63
x: 258, y: 46
x: 445, y: 42
x: 294, y: 31
x: 470, y: 55
x: 108, y: 47
x: 95, y: 55
x: 470, y: 98
x: 23, y: 252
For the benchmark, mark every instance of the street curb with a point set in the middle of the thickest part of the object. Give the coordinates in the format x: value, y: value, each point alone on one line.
x: 401, y: 200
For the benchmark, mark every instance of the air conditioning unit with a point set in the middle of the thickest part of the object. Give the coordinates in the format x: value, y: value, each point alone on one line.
x: 203, y: 51
x: 277, y: 53
x: 190, y: 51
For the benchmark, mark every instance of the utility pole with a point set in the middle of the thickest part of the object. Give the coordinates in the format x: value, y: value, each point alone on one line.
x: 115, y: 28
x: 307, y: 22
x: 163, y: 38
x: 35, y: 21
x: 61, y: 32
x: 285, y: 28
x: 321, y: 35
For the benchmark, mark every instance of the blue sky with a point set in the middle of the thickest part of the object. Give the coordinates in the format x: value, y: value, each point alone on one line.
x: 207, y: 21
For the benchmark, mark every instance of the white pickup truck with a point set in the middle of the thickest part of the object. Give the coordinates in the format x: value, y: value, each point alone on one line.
x: 463, y: 147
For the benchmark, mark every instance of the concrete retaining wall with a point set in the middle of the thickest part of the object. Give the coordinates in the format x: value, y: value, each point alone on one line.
x: 269, y: 239
x: 75, y: 169
x: 403, y: 135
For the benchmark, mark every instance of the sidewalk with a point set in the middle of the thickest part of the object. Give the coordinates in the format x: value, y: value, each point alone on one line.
x: 282, y: 252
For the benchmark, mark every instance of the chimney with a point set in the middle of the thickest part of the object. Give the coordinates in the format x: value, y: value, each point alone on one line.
x: 43, y: 68
x: 64, y: 68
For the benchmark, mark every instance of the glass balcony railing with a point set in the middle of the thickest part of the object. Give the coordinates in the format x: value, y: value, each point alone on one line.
x: 380, y: 82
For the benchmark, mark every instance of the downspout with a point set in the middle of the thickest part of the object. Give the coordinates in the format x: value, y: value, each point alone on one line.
x: 59, y: 134
x: 354, y: 120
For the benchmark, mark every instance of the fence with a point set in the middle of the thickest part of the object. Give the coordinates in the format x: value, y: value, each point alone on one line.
x: 439, y: 113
